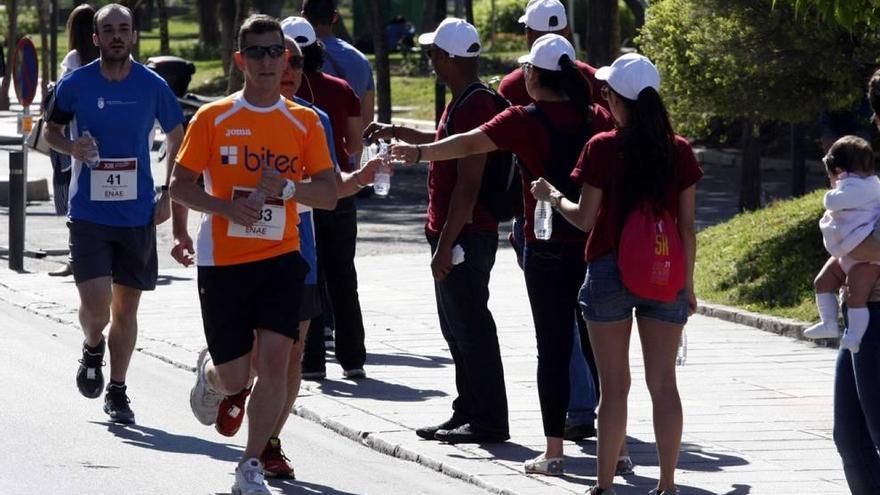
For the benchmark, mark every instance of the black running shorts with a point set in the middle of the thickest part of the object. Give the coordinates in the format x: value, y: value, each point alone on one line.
x: 238, y: 299
x: 127, y: 254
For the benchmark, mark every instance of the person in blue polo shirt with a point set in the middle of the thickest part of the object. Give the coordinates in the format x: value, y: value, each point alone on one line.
x: 111, y: 106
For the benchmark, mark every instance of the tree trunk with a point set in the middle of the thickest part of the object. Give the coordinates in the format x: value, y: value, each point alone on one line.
x: 53, y: 40
x: 227, y: 33
x: 798, y: 161
x: 439, y: 12
x: 209, y: 28
x: 271, y: 7
x: 435, y: 11
x: 11, y: 40
x: 750, y: 184
x: 43, y: 13
x: 236, y: 78
x: 164, y: 41
x: 603, y: 32
x: 383, y: 70
x: 638, y: 10
x: 469, y: 11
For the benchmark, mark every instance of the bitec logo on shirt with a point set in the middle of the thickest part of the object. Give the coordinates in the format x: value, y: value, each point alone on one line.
x: 256, y: 159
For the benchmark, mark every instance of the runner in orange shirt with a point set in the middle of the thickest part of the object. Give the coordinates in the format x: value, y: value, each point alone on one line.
x: 253, y: 149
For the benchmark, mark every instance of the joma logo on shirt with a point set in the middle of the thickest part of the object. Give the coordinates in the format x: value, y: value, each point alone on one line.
x: 238, y: 132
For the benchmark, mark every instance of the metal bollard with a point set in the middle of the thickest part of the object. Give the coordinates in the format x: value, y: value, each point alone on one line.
x: 17, y: 201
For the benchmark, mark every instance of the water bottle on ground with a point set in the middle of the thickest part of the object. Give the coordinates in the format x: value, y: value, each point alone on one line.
x: 382, y: 182
x: 93, y: 157
x: 682, y: 354
x: 543, y: 220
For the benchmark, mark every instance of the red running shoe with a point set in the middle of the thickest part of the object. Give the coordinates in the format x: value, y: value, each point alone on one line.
x: 275, y: 463
x: 230, y: 413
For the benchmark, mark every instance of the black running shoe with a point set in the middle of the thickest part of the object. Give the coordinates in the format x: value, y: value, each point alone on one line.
x: 89, y: 378
x: 116, y: 405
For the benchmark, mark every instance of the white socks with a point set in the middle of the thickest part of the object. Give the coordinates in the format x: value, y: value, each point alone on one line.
x: 828, y: 328
x: 857, y: 319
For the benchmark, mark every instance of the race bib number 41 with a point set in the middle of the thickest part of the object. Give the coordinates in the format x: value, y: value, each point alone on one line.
x: 270, y: 226
x: 114, y: 179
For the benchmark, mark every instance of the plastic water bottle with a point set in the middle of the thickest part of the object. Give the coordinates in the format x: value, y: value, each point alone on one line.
x: 682, y: 354
x: 92, y: 157
x: 543, y: 220
x: 382, y: 182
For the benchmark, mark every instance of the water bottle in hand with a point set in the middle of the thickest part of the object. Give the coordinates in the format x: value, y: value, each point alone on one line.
x: 682, y: 354
x: 543, y: 220
x: 382, y: 182
x: 92, y: 157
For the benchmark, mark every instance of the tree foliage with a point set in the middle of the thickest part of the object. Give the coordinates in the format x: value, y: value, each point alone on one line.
x: 846, y: 13
x: 745, y: 59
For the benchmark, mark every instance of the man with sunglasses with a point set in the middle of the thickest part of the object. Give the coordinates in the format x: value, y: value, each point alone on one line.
x: 336, y: 230
x: 456, y: 218
x: 254, y: 149
x: 111, y: 106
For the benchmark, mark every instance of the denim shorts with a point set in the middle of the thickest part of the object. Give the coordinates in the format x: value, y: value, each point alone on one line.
x: 604, y: 299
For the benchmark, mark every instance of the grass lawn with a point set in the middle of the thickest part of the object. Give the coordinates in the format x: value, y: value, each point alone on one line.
x: 764, y: 261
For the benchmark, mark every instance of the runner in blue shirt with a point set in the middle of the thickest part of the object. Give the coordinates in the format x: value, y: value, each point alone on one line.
x: 111, y: 106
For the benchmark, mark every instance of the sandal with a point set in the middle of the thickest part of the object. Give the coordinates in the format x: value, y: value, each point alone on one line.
x: 553, y: 466
x: 599, y: 491
x: 624, y: 466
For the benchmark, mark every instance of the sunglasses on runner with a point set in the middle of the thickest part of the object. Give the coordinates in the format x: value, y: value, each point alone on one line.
x: 295, y: 61
x: 257, y: 52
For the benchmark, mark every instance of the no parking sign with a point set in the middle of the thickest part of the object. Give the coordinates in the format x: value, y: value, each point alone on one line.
x: 24, y: 71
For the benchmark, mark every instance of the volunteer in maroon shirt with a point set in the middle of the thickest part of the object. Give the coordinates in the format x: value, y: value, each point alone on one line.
x: 547, y: 138
x: 544, y: 17
x: 336, y: 230
x: 643, y: 160
x: 457, y: 220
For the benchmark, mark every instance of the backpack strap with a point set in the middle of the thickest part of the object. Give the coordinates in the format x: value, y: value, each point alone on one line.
x: 500, y: 102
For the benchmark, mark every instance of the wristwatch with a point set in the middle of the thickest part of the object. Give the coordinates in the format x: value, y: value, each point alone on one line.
x: 288, y: 190
x: 163, y: 188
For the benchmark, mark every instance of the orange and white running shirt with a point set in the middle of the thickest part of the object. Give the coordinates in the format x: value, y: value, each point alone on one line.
x: 229, y: 141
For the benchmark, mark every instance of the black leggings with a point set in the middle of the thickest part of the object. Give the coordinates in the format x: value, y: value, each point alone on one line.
x: 554, y: 272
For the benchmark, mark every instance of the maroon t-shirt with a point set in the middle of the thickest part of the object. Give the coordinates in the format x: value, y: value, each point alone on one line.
x: 334, y: 96
x: 513, y: 86
x: 601, y: 165
x: 477, y: 109
x: 523, y: 134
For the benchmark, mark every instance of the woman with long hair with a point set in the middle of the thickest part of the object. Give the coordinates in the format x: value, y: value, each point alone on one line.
x: 82, y: 51
x: 547, y: 138
x: 640, y: 161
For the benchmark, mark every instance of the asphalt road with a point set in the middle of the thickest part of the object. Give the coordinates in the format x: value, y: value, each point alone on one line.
x: 56, y: 441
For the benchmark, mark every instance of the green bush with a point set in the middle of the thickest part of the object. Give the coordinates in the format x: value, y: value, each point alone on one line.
x: 764, y: 261
x: 507, y: 14
x: 28, y: 24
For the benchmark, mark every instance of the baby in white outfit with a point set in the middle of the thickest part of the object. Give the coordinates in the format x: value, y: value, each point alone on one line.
x: 852, y: 209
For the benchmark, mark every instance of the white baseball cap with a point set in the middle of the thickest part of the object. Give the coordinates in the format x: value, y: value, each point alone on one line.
x: 546, y: 52
x: 545, y: 16
x: 455, y: 36
x: 629, y: 75
x: 299, y: 29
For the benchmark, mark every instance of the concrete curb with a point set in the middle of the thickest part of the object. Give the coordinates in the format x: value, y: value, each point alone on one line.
x: 781, y: 326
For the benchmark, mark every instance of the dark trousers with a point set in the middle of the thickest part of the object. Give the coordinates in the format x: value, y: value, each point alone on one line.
x: 857, y: 410
x: 335, y: 236
x: 554, y: 272
x: 469, y: 330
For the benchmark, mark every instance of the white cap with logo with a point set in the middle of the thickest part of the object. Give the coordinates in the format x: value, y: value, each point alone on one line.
x: 545, y: 16
x: 299, y: 29
x: 454, y: 36
x: 630, y: 74
x: 546, y: 52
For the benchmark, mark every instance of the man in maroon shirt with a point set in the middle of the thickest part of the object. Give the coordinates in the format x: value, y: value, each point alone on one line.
x: 336, y: 230
x: 459, y: 223
x: 542, y: 17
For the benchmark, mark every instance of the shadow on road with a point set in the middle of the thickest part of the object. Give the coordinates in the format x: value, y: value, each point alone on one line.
x: 296, y: 487
x: 408, y: 360
x: 152, y: 438
x: 376, y: 389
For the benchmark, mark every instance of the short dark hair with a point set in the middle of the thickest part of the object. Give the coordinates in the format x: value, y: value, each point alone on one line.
x: 319, y: 12
x: 112, y: 6
x: 259, y: 24
x: 313, y: 56
x: 850, y: 154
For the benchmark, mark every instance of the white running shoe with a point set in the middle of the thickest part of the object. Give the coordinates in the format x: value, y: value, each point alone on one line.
x: 249, y: 479
x: 202, y: 399
x: 821, y: 331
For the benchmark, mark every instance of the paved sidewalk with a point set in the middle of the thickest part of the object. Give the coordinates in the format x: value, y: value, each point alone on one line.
x: 758, y: 406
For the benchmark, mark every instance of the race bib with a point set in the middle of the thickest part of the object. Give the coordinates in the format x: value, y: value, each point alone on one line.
x: 273, y: 217
x: 115, y: 179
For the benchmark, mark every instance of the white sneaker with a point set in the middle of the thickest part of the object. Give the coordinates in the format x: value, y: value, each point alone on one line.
x: 821, y: 331
x: 202, y: 399
x: 249, y: 479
